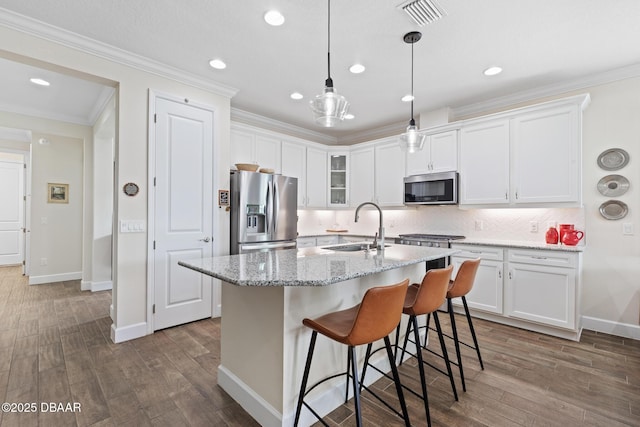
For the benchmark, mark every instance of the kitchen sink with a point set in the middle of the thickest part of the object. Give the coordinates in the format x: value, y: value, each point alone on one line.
x: 352, y: 248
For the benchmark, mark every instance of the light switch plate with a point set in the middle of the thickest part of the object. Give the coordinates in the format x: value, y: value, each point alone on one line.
x: 132, y: 226
x: 627, y: 229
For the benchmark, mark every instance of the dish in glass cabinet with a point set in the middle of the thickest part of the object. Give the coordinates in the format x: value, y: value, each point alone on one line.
x: 613, y: 185
x: 613, y: 159
x: 613, y: 209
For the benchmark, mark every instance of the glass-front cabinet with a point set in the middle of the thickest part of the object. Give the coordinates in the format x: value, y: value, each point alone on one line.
x: 338, y: 179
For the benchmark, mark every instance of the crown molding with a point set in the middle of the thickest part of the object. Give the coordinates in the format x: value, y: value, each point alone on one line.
x: 75, y: 41
x: 242, y: 116
x: 545, y: 91
x: 392, y: 129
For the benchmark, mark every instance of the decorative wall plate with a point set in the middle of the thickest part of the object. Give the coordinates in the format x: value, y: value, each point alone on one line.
x: 613, y: 209
x: 613, y: 185
x: 613, y: 159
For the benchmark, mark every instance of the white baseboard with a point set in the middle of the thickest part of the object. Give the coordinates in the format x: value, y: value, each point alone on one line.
x: 52, y: 278
x: 127, y: 333
x: 624, y: 330
x: 85, y: 285
x: 112, y: 314
x: 106, y: 285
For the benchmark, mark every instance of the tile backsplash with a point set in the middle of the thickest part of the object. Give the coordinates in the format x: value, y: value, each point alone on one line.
x: 507, y: 224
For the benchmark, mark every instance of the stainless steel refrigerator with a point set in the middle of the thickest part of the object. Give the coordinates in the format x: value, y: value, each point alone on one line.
x: 263, y: 212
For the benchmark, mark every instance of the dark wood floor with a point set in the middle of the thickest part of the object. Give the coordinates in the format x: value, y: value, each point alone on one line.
x: 55, y: 347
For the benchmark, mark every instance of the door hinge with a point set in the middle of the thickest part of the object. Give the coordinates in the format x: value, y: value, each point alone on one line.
x: 154, y: 245
x: 24, y: 262
x: 155, y: 118
x: 154, y: 181
x: 25, y: 165
x: 24, y: 198
x: 153, y: 309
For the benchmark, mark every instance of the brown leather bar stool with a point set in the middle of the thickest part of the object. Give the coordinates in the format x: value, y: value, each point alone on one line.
x: 421, y: 299
x: 373, y: 319
x: 459, y: 288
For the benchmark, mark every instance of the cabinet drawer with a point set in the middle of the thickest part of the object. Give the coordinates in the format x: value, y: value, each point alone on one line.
x: 483, y: 252
x: 551, y: 258
x: 306, y: 242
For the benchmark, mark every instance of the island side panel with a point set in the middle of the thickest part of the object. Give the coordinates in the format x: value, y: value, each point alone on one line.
x: 329, y: 357
x: 251, y: 348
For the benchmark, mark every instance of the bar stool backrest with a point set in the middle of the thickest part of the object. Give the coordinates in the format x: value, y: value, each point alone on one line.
x: 464, y: 278
x: 432, y: 291
x: 378, y: 314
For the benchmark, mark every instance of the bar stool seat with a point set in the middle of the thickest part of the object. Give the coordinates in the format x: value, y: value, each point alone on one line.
x: 373, y: 319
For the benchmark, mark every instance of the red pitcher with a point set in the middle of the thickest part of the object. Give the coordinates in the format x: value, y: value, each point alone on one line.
x: 572, y: 237
x: 562, y: 229
x: 552, y: 236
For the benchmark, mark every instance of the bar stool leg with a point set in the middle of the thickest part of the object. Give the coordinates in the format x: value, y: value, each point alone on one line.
x: 473, y: 332
x: 445, y: 354
x: 305, y: 377
x: 396, y: 380
x: 423, y: 381
x: 455, y: 340
x: 356, y: 386
x: 426, y: 332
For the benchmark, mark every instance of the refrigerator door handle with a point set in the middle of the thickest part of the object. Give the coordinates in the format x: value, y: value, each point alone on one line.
x: 268, y: 213
x: 248, y: 247
x: 276, y: 206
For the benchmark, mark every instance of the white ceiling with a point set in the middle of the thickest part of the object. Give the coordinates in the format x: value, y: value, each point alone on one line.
x: 542, y: 45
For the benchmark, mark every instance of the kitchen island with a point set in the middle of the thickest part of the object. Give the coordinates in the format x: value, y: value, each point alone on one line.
x: 265, y: 296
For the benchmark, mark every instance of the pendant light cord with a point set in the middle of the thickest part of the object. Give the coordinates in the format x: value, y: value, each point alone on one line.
x: 329, y: 82
x: 412, y: 122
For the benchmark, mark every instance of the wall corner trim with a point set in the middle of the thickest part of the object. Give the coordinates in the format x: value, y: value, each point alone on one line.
x: 127, y: 333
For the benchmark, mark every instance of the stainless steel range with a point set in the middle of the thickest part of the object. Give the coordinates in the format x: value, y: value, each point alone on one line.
x: 430, y: 240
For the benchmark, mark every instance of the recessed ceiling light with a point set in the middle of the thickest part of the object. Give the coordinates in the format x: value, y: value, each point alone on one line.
x: 349, y: 116
x: 407, y: 98
x: 218, y: 64
x: 40, y: 82
x: 492, y: 71
x: 357, y: 68
x: 273, y: 17
x: 296, y: 95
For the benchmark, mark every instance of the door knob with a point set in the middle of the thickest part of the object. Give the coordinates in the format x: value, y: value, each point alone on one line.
x: 206, y: 240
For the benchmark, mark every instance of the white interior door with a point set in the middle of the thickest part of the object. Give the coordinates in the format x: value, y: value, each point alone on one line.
x: 183, y: 223
x: 11, y: 212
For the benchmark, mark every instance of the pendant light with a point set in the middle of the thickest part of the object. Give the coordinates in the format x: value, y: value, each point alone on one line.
x: 412, y: 140
x: 329, y: 108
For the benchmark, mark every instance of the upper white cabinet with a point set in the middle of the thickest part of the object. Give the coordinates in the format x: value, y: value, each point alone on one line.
x: 294, y: 163
x: 316, y: 178
x: 546, y: 156
x: 248, y: 146
x: 484, y: 163
x: 389, y: 170
x: 440, y: 154
x: 526, y: 157
x: 362, y: 175
x: 338, y: 163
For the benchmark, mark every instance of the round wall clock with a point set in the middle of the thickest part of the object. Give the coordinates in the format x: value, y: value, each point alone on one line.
x: 130, y: 189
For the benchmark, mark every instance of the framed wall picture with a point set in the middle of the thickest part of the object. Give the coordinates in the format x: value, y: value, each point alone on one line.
x: 57, y: 193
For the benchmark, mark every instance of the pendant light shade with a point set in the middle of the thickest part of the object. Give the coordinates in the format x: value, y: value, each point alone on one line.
x: 329, y: 108
x: 412, y: 140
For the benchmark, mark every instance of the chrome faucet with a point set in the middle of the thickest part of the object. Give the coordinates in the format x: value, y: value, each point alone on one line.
x: 380, y: 233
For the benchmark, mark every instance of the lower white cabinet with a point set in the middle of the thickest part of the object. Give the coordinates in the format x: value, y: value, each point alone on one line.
x: 327, y: 240
x: 538, y: 290
x: 486, y: 294
x: 529, y: 288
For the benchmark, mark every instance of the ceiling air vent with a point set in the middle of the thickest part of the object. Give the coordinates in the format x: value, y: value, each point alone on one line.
x: 423, y: 12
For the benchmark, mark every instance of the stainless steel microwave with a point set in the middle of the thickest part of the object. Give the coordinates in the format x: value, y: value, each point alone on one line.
x: 431, y: 189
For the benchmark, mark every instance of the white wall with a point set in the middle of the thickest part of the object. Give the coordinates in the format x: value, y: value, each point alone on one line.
x: 133, y: 85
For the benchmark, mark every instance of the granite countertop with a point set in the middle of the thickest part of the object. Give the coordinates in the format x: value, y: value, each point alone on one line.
x: 309, y: 266
x: 523, y: 244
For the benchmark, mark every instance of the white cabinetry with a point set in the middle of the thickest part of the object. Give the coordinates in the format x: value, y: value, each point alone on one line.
x: 486, y: 293
x: 306, y: 242
x: 316, y: 196
x: 546, y: 156
x: 248, y: 146
x: 294, y: 163
x: 338, y: 179
x: 362, y: 176
x: 327, y: 240
x: 533, y: 289
x: 440, y: 154
x: 542, y: 287
x: 528, y: 157
x: 389, y: 173
x: 484, y: 163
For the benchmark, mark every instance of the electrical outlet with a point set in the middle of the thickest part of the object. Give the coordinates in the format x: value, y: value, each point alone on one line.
x: 479, y: 225
x: 43, y: 261
x: 533, y: 226
x: 627, y: 229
